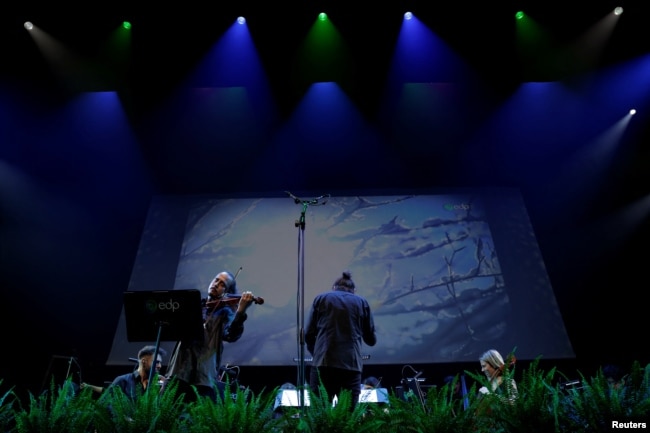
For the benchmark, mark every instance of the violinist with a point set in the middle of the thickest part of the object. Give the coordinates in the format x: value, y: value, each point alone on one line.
x: 498, y: 374
x: 194, y: 365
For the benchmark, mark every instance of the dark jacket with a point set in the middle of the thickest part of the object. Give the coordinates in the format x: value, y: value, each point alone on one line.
x: 340, y: 323
x: 197, y: 362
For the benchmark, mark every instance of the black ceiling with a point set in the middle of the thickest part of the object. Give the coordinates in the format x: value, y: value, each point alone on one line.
x: 167, y: 40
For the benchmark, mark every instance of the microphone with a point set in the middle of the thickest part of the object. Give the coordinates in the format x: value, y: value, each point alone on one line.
x: 134, y: 360
x: 322, y: 197
x: 315, y: 201
x: 295, y: 199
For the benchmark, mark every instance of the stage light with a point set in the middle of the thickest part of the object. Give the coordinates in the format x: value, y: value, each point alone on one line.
x: 632, y: 112
x: 519, y: 15
x: 241, y: 20
x: 28, y: 25
x: 126, y: 25
x: 618, y: 10
x: 322, y: 16
x: 408, y: 15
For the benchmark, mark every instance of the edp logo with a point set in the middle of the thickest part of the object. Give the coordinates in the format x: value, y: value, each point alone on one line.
x: 461, y: 206
x: 170, y: 305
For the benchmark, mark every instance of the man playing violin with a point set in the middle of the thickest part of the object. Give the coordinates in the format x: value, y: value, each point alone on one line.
x: 194, y: 365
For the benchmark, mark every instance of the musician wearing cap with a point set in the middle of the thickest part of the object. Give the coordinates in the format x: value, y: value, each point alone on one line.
x: 194, y: 365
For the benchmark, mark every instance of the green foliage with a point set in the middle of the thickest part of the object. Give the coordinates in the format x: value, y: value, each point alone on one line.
x: 539, y: 404
x: 242, y: 412
x: 637, y: 391
x: 148, y: 412
x: 60, y: 409
x: 438, y: 411
x: 594, y: 406
x: 321, y: 416
x: 8, y: 404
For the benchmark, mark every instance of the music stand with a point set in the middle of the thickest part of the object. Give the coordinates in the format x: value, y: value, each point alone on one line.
x: 163, y: 315
x: 412, y: 384
x: 55, y: 370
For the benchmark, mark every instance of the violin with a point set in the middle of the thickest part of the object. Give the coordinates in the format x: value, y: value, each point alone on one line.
x: 231, y: 299
x: 509, y: 362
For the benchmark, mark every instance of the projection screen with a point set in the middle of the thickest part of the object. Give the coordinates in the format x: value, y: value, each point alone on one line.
x: 448, y: 274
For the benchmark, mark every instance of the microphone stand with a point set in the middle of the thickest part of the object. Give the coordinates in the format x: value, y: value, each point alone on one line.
x: 67, y: 374
x: 300, y: 297
x: 154, y: 360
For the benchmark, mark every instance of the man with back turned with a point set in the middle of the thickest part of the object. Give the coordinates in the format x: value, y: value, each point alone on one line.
x: 340, y: 323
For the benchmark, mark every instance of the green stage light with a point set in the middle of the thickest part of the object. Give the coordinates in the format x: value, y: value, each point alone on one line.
x: 126, y: 25
x: 519, y: 15
x: 323, y: 57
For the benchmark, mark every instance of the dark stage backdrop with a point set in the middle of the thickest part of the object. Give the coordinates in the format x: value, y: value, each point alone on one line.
x: 448, y: 274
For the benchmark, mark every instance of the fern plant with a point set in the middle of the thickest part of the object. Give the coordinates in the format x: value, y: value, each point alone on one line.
x: 9, y: 402
x: 637, y: 393
x: 321, y: 416
x: 596, y: 405
x: 117, y: 412
x: 242, y: 412
x: 538, y: 406
x: 61, y: 409
x: 440, y: 411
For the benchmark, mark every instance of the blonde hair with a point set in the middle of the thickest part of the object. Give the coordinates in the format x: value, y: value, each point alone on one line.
x: 493, y: 358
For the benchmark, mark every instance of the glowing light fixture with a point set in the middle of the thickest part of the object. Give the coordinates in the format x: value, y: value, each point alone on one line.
x: 408, y: 15
x: 519, y: 15
x: 28, y: 25
x: 322, y: 16
x: 241, y: 20
x: 632, y: 112
x: 618, y: 10
x: 126, y: 25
